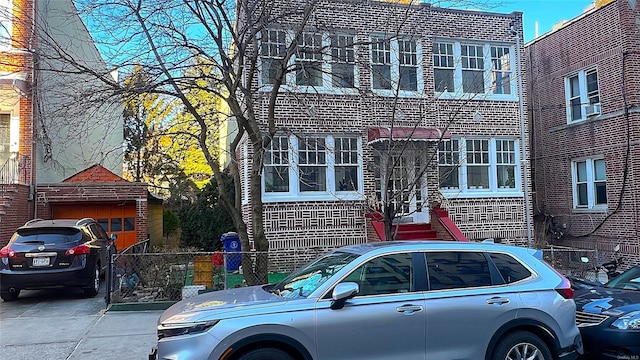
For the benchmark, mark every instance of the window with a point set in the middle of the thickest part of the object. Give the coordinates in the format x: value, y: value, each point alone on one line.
x: 381, y: 63
x: 500, y: 70
x: 582, y: 93
x: 346, y: 169
x: 589, y: 184
x: 506, y: 164
x: 408, y: 65
x: 443, y: 67
x: 473, y: 69
x: 312, y: 159
x: 272, y: 53
x: 451, y: 270
x: 321, y: 167
x: 5, y: 137
x: 309, y: 60
x: 510, y: 269
x: 448, y: 160
x: 6, y: 20
x: 342, y: 61
x: 276, y: 165
x: 395, y: 64
x: 104, y: 223
x: 488, y: 166
x: 388, y: 274
x: 478, y: 164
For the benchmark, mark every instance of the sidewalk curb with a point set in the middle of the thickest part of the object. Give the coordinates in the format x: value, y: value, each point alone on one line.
x: 142, y: 306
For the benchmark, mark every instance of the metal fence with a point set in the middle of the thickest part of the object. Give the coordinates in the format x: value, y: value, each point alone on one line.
x: 137, y: 275
x: 582, y: 263
x: 141, y: 276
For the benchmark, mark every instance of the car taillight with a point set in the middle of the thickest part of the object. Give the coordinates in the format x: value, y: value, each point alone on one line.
x: 564, y: 289
x: 6, y: 252
x: 79, y: 250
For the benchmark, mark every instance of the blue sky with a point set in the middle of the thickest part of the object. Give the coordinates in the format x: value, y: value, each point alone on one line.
x: 546, y: 12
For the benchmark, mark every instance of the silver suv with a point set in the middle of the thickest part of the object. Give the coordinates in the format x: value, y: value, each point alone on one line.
x: 387, y: 300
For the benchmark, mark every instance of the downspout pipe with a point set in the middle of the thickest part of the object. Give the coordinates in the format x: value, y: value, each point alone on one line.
x: 523, y: 152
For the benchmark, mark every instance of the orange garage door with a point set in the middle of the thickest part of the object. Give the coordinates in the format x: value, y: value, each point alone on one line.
x: 118, y: 219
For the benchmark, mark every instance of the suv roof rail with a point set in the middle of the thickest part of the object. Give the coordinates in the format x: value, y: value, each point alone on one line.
x: 32, y: 221
x: 84, y: 221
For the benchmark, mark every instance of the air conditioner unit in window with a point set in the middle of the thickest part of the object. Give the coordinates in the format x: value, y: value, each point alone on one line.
x: 593, y: 109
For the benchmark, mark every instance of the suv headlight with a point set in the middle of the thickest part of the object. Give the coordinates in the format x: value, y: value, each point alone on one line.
x: 630, y: 321
x: 178, y: 329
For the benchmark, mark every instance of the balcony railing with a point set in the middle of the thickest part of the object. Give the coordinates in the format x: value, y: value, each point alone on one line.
x: 14, y: 170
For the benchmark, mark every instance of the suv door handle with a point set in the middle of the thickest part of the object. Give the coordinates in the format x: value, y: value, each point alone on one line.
x: 409, y: 309
x: 498, y: 300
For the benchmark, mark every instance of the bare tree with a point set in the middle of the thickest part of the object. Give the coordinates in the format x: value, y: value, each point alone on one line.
x: 169, y: 38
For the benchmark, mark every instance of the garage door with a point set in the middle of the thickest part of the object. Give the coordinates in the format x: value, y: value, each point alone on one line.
x: 119, y: 219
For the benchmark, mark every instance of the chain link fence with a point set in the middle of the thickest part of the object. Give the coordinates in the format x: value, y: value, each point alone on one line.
x: 582, y: 263
x: 139, y: 276
x: 136, y: 275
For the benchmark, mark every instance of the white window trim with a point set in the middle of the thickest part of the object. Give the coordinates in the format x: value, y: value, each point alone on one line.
x: 493, y: 191
x: 294, y: 194
x: 458, y: 92
x: 584, y: 99
x: 591, y: 196
x: 395, y: 70
x: 327, y: 87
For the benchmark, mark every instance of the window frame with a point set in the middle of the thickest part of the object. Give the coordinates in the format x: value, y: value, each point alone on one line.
x: 487, y: 68
x: 590, y: 182
x: 464, y: 190
x: 331, y: 192
x: 326, y: 65
x: 395, y: 64
x: 584, y: 96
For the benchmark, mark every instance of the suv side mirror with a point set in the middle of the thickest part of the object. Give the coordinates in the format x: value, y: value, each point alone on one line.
x: 113, y: 236
x: 343, y: 292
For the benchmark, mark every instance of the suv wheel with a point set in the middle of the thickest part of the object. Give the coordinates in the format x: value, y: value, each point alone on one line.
x: 522, y: 345
x: 266, y: 354
x: 93, y: 288
x: 7, y: 295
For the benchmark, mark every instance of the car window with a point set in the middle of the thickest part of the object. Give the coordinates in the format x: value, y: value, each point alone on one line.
x: 58, y: 236
x: 628, y: 280
x: 98, y: 232
x: 389, y: 274
x: 307, y: 279
x: 457, y: 269
x: 510, y: 269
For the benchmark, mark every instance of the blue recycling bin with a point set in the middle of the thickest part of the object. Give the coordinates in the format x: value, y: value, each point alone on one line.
x: 231, y: 242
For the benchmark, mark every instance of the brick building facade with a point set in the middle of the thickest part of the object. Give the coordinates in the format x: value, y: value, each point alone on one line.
x: 585, y: 118
x: 432, y: 90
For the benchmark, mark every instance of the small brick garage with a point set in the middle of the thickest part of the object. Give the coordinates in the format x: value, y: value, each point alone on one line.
x: 120, y: 206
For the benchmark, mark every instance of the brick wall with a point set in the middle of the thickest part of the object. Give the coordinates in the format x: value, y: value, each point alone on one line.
x: 15, y: 210
x: 608, y: 39
x: 354, y: 113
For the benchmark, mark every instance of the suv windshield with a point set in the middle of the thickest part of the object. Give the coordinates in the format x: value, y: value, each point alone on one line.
x: 58, y: 236
x: 307, y: 279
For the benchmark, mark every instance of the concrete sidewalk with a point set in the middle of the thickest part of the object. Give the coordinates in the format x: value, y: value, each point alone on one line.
x: 74, y: 329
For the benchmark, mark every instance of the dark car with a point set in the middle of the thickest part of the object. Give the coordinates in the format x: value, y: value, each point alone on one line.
x: 54, y: 253
x: 608, y: 317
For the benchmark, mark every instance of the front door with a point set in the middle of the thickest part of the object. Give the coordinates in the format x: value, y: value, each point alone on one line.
x: 408, y: 185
